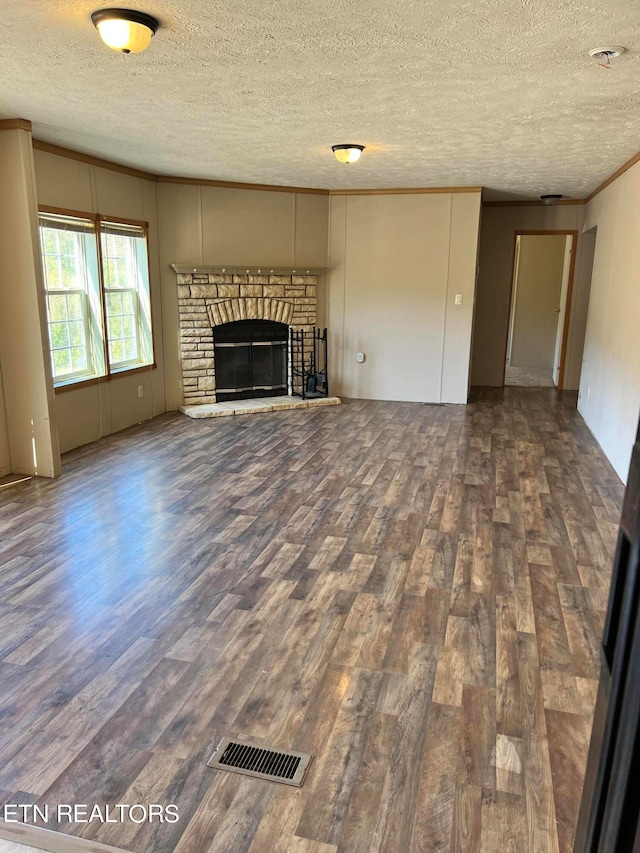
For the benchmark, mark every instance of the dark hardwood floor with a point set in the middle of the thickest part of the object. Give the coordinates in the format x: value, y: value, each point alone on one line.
x: 413, y: 593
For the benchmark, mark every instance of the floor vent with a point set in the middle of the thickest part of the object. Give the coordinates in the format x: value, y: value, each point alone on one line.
x: 276, y: 765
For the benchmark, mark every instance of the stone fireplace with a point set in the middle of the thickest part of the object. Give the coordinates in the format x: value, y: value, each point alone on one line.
x: 212, y: 297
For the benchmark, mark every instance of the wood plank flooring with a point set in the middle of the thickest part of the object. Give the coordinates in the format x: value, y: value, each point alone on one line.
x: 413, y: 593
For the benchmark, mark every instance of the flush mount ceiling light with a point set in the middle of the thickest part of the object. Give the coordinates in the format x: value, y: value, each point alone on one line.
x: 125, y: 30
x: 348, y: 152
x: 551, y: 198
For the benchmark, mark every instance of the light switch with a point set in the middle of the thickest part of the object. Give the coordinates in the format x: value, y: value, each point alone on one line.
x: 458, y: 299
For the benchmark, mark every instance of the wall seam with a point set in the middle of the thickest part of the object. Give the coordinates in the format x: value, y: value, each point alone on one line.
x: 446, y: 301
x: 344, y: 297
x: 293, y: 236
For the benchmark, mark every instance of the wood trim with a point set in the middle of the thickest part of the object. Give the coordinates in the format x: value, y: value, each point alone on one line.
x: 94, y: 217
x: 67, y: 211
x: 15, y: 124
x: 98, y: 380
x: 532, y: 203
x: 120, y: 220
x: 407, y: 191
x: 54, y: 842
x: 129, y: 371
x: 274, y: 188
x: 567, y: 310
x: 70, y: 154
x: 543, y: 232
x: 511, y: 289
x: 631, y: 162
x: 85, y: 383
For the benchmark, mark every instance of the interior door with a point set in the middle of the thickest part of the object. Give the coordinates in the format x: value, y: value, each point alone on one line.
x: 537, y: 299
x: 561, y: 310
x: 610, y: 809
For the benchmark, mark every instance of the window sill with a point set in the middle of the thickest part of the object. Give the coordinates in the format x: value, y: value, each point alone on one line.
x: 96, y: 380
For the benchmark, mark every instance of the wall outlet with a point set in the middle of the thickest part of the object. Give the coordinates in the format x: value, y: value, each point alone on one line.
x: 140, y: 391
x: 458, y: 300
x: 360, y: 357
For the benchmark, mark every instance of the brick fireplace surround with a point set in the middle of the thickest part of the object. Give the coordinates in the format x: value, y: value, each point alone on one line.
x: 211, y: 297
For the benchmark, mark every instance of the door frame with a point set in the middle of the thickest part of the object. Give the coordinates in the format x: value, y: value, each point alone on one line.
x: 567, y: 232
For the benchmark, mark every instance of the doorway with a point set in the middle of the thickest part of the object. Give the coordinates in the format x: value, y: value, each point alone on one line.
x: 542, y: 286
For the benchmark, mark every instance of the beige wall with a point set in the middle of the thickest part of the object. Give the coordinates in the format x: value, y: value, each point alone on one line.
x: 537, y: 295
x: 87, y: 413
x: 30, y: 437
x: 5, y: 456
x: 499, y: 225
x: 206, y: 225
x: 396, y: 262
x: 609, y: 397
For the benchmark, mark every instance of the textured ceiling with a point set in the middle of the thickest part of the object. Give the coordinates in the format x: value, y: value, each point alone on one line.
x: 442, y: 92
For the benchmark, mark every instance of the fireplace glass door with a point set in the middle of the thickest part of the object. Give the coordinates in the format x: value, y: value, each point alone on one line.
x: 250, y: 359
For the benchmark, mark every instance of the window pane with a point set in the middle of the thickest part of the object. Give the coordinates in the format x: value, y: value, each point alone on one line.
x: 114, y: 303
x: 57, y: 307
x: 116, y: 351
x: 60, y: 336
x: 115, y: 327
x: 61, y: 362
x: 51, y: 273
x: 127, y: 301
x: 76, y: 333
x: 79, y: 358
x: 122, y: 326
x: 74, y: 306
x: 131, y: 348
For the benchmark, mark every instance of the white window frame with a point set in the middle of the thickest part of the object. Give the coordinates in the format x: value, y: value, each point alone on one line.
x: 78, y: 375
x: 139, y: 288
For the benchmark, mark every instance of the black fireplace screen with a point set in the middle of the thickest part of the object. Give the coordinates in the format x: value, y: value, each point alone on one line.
x: 250, y: 359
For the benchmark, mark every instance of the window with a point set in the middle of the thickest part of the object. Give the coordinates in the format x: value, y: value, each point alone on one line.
x: 126, y: 295
x: 96, y: 277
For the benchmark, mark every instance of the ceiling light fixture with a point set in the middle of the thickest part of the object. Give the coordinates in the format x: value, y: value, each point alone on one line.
x: 348, y: 152
x: 125, y: 30
x: 551, y: 198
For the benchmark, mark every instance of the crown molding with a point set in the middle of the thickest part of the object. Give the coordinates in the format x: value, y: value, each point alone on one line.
x: 71, y: 154
x: 15, y: 124
x: 235, y: 185
x: 631, y: 162
x: 407, y: 191
x: 533, y: 203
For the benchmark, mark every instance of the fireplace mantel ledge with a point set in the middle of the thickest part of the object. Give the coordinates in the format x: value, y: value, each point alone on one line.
x: 252, y: 269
